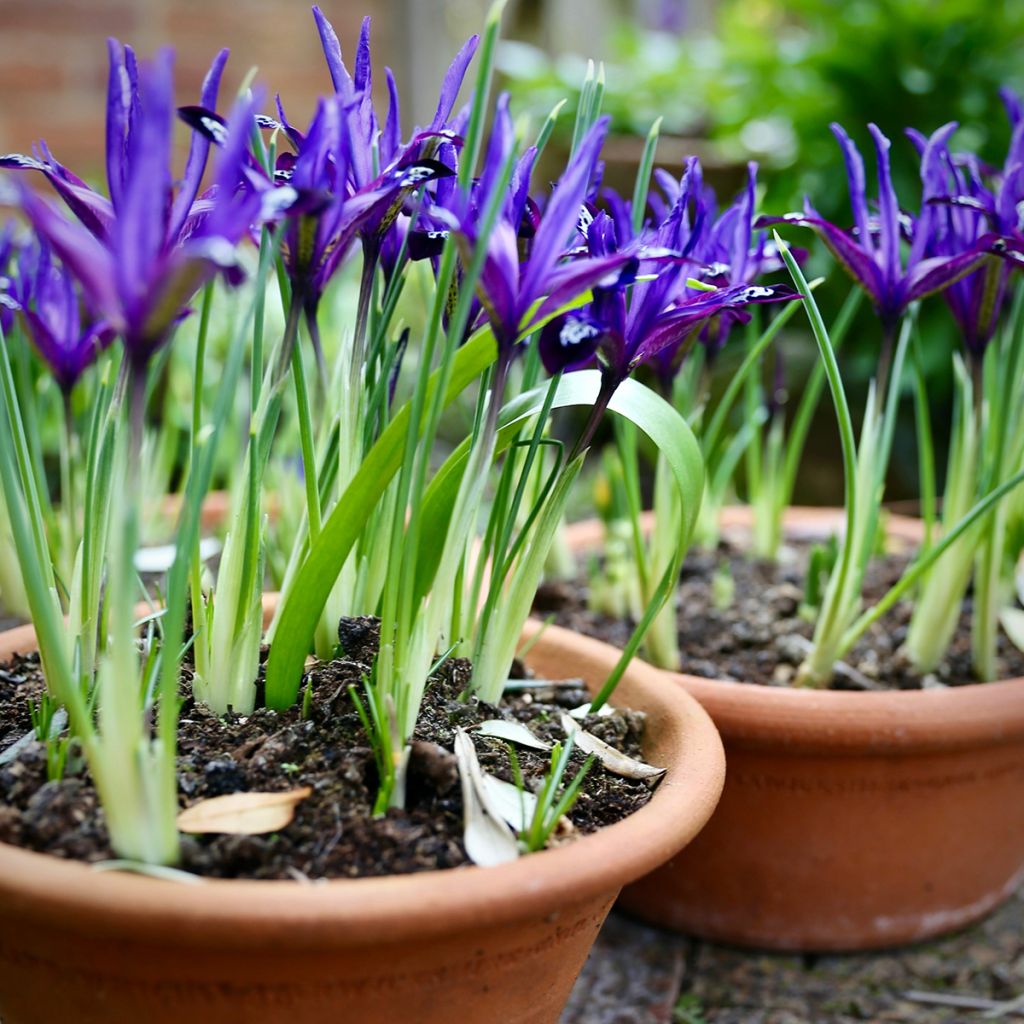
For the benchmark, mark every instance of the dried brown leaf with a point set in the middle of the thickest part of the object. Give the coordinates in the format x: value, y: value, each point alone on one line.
x: 243, y: 814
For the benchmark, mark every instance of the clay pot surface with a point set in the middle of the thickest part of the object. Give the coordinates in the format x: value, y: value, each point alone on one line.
x: 472, y: 945
x: 849, y: 820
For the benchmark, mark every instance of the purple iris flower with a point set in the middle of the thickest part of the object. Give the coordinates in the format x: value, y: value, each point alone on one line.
x: 525, y: 275
x: 329, y: 215
x: 364, y: 132
x: 368, y: 144
x: 661, y: 317
x: 732, y: 250
x: 336, y: 195
x: 968, y: 206
x: 66, y: 337
x: 733, y: 255
x: 143, y: 253
x: 8, y: 303
x: 321, y: 214
x: 871, y: 252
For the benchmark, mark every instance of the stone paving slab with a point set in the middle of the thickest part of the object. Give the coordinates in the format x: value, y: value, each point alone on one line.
x: 633, y: 976
x: 637, y: 974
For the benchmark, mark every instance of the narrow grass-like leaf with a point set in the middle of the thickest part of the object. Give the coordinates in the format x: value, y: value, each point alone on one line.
x: 643, y: 176
x: 341, y: 529
x: 711, y: 436
x: 926, y: 560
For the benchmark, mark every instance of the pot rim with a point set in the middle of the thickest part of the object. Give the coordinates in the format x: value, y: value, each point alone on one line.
x: 337, y: 913
x: 897, y: 722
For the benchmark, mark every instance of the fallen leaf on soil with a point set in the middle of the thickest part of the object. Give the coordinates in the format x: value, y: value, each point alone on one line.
x: 488, y: 839
x: 584, y: 709
x: 161, y: 557
x: 614, y: 760
x: 243, y: 814
x: 1012, y: 620
x: 517, y: 806
x: 514, y: 732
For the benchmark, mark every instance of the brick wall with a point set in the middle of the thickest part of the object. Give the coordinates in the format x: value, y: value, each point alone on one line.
x: 53, y: 59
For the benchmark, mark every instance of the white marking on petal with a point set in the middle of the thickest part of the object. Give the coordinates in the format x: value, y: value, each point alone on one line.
x: 415, y: 175
x: 217, y: 249
x: 755, y: 292
x: 125, y: 82
x: 218, y: 131
x: 575, y: 332
x: 277, y: 200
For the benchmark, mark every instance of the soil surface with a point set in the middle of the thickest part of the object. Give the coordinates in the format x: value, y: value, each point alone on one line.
x: 334, y: 833
x: 761, y: 637
x: 641, y: 975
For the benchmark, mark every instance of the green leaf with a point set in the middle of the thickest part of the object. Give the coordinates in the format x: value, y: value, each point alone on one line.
x: 316, y: 577
x: 643, y: 176
x: 496, y: 648
x: 637, y: 403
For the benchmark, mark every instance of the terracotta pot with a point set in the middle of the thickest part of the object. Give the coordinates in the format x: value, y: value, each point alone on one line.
x: 214, y: 514
x: 849, y: 820
x: 473, y: 945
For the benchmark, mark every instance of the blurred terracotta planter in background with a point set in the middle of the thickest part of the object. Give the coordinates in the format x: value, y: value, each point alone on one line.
x: 472, y: 945
x: 849, y: 820
x: 215, y: 511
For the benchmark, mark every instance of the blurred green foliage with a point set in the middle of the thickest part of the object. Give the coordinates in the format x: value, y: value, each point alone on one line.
x: 766, y: 84
x: 774, y: 74
x: 787, y: 69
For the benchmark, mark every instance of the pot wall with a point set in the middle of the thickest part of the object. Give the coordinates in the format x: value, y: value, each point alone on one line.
x: 846, y: 849
x: 849, y: 820
x: 517, y: 973
x: 473, y: 945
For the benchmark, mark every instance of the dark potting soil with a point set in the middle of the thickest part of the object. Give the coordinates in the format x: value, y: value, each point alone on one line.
x: 760, y: 636
x: 334, y: 833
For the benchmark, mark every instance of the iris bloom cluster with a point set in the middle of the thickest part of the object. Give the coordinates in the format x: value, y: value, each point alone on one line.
x: 963, y: 241
x: 99, y: 292
x: 475, y: 289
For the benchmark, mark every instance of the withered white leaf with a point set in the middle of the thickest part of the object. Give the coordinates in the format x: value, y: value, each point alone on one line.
x: 614, y: 760
x: 243, y: 814
x: 584, y: 709
x: 488, y: 839
x: 517, y: 806
x: 1012, y: 620
x: 160, y: 558
x: 513, y: 732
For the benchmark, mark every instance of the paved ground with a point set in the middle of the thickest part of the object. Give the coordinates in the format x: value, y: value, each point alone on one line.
x: 639, y: 975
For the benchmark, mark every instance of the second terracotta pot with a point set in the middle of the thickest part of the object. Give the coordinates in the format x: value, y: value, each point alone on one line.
x: 849, y: 820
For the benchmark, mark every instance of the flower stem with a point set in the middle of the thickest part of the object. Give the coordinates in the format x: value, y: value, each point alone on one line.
x: 68, y: 504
